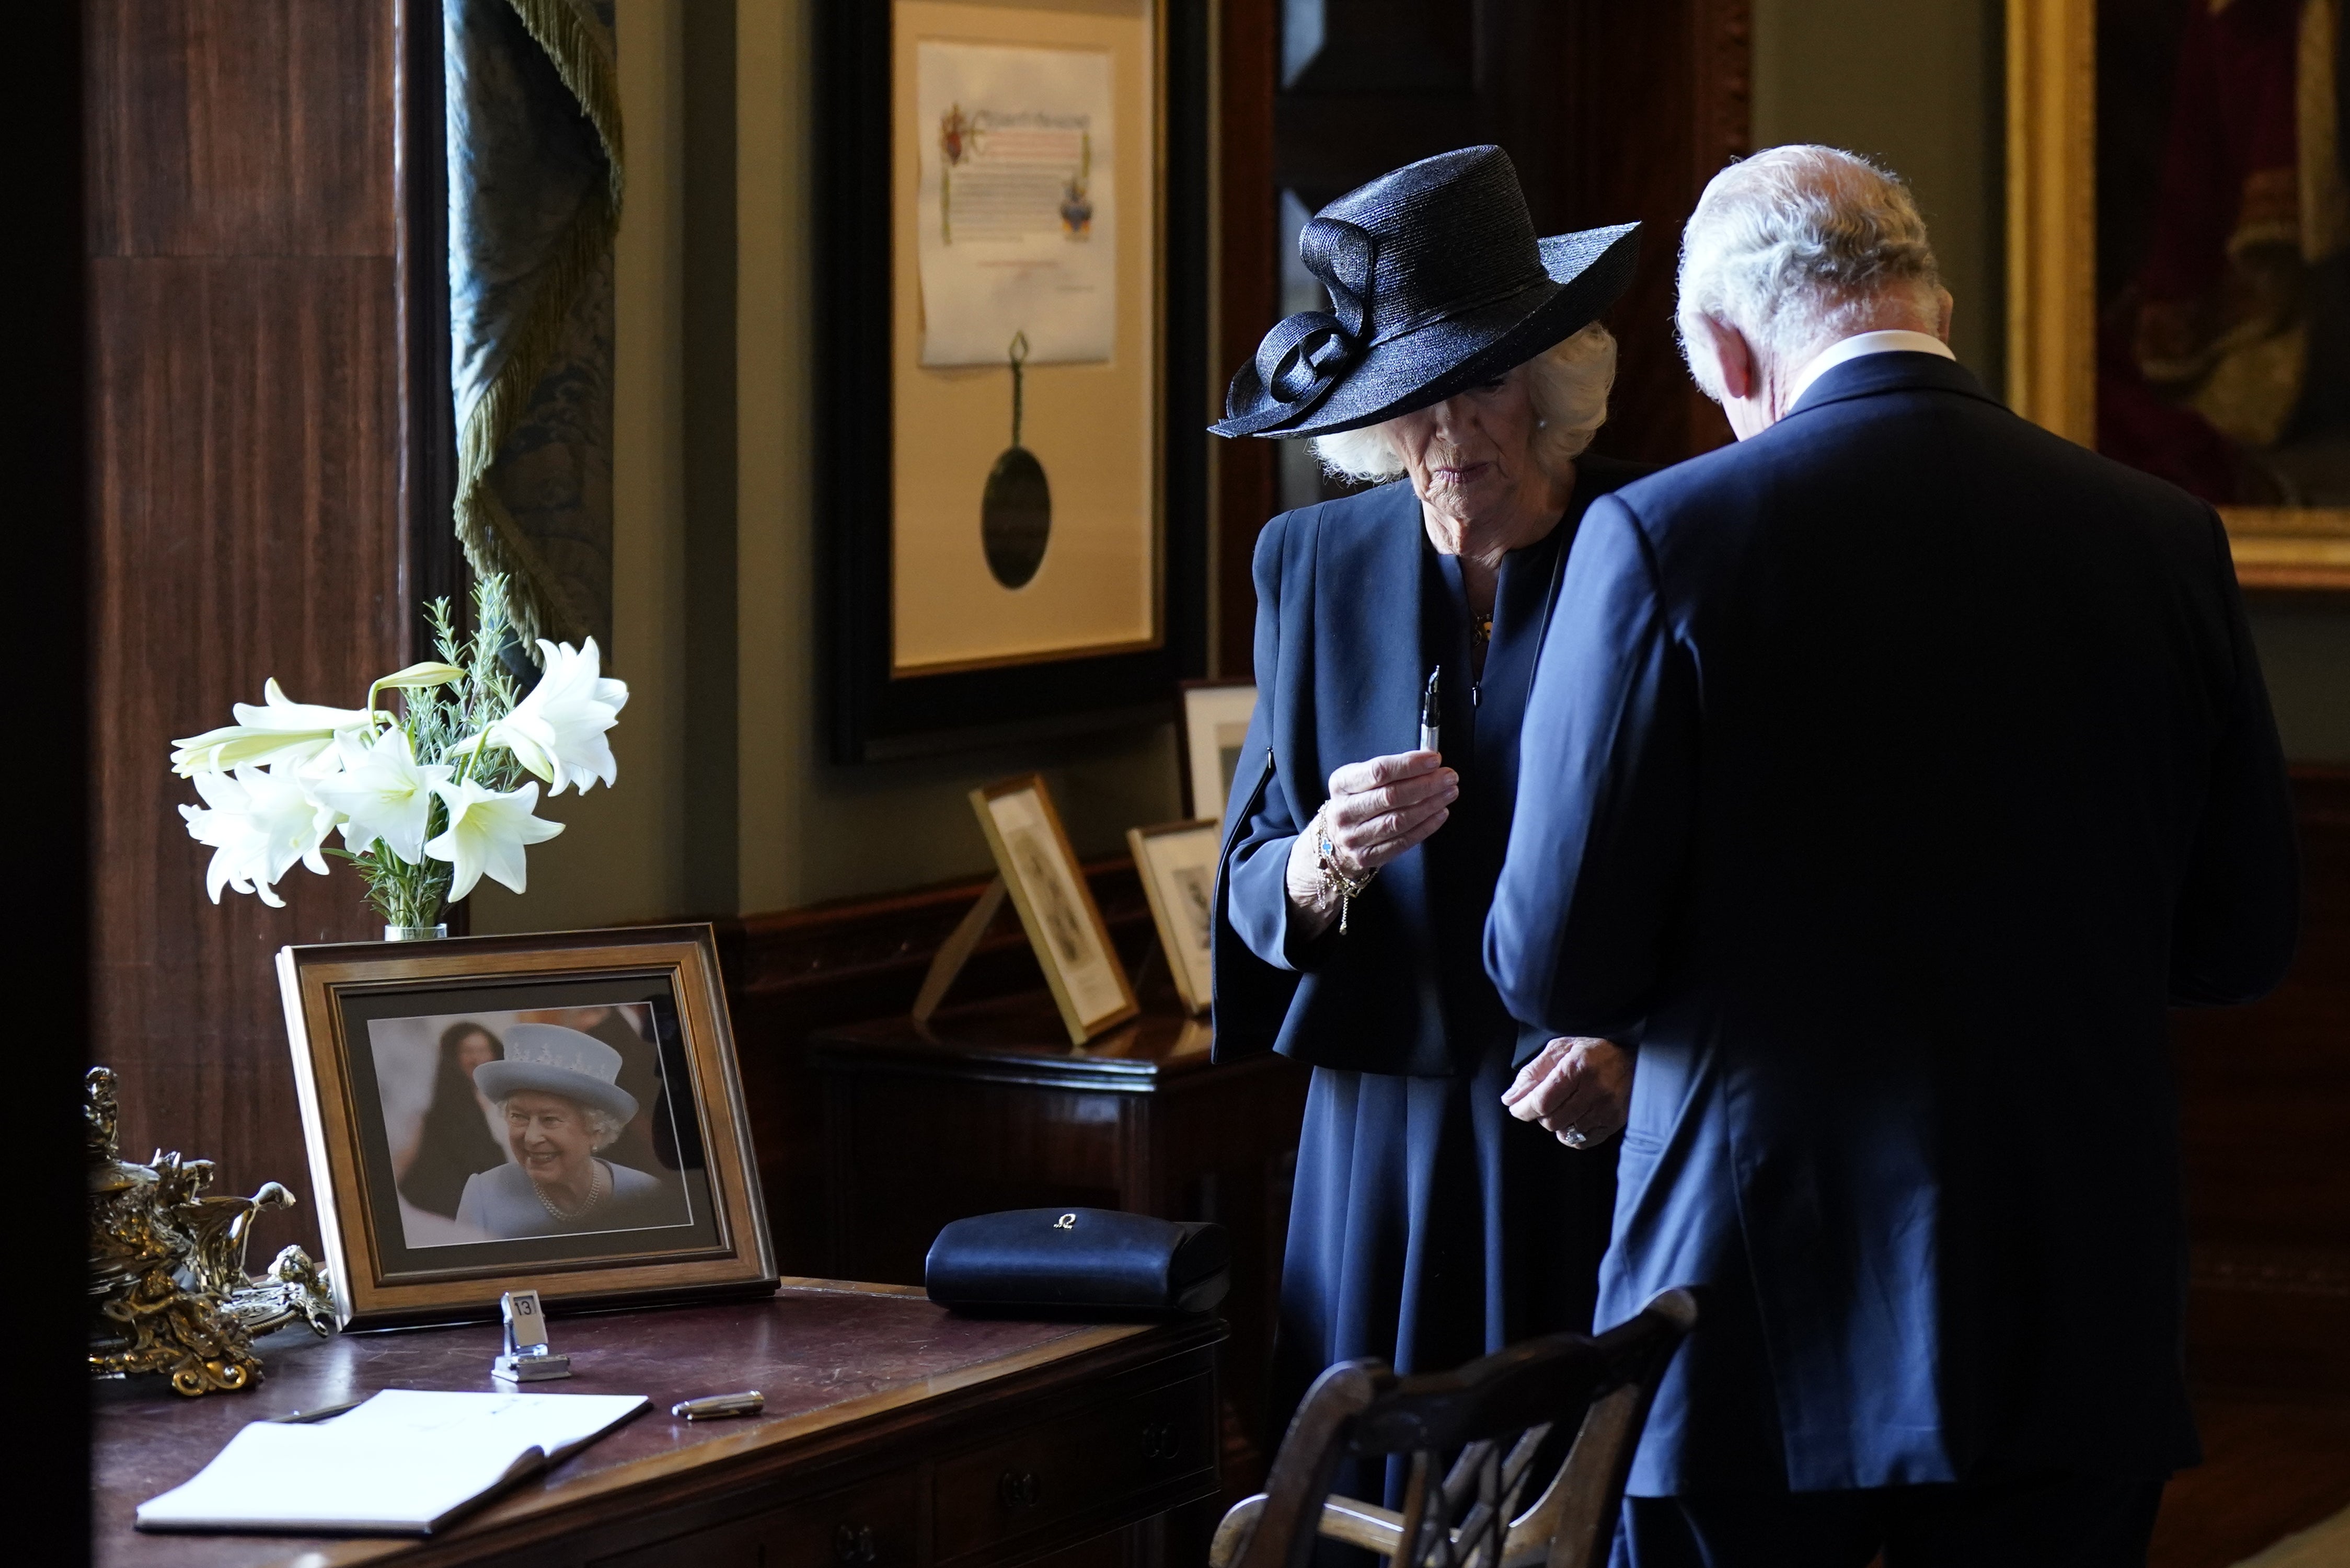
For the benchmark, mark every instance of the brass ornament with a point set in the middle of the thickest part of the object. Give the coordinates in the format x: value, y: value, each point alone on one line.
x: 169, y: 1292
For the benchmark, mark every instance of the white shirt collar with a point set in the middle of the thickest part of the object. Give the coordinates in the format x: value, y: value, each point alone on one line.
x: 1855, y: 347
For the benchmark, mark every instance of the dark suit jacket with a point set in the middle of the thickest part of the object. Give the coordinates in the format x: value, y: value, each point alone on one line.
x: 1345, y: 640
x: 1897, y: 766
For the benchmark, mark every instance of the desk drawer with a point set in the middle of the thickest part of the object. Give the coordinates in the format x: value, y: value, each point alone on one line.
x: 874, y: 1525
x: 1058, y: 1471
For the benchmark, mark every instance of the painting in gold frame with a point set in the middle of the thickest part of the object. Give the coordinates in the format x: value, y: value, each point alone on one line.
x: 616, y: 1048
x: 2179, y: 257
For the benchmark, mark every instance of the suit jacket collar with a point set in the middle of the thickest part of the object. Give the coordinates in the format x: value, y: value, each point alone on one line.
x: 1873, y: 374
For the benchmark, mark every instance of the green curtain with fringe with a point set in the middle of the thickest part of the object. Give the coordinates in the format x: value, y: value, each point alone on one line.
x: 534, y: 167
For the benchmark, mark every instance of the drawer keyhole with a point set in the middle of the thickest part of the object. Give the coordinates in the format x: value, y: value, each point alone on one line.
x: 1019, y: 1488
x: 853, y: 1543
x: 1159, y: 1441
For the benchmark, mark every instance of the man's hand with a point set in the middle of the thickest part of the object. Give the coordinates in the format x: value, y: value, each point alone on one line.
x: 1578, y: 1088
x: 1377, y: 809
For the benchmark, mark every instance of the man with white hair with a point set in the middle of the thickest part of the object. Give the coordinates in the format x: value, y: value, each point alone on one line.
x: 1886, y: 775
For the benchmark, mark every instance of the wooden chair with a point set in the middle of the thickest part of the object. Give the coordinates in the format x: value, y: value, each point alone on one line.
x: 1494, y: 1413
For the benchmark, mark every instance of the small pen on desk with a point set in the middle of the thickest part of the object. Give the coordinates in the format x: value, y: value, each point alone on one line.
x: 712, y: 1406
x: 303, y: 1417
x: 1431, y: 729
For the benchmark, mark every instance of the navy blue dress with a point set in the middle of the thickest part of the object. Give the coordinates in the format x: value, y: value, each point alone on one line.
x: 1428, y: 1226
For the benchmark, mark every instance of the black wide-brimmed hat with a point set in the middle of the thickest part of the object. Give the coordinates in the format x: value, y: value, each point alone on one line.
x: 1437, y: 283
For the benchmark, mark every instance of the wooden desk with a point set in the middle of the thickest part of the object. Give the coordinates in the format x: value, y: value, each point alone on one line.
x: 991, y: 1108
x: 895, y: 1433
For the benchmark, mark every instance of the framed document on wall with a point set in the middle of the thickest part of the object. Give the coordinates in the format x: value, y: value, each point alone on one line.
x: 1013, y: 462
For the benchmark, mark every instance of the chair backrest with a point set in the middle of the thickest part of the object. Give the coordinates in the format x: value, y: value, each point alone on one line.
x: 1493, y: 1415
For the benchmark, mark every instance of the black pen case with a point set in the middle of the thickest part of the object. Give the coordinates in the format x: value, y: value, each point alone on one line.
x: 1078, y: 1260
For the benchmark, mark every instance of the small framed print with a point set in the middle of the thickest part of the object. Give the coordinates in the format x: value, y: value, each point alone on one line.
x: 1178, y: 863
x: 558, y: 1111
x: 1215, y: 721
x: 1032, y: 853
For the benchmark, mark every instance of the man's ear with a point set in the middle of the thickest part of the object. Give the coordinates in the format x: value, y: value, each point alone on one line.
x: 1733, y: 360
x: 1942, y: 323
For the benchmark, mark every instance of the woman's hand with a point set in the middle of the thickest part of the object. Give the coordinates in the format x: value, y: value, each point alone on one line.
x: 1579, y: 1088
x: 1377, y: 810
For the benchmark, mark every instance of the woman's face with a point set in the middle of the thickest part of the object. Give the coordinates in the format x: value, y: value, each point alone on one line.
x: 1471, y: 457
x: 473, y: 1050
x: 549, y: 1135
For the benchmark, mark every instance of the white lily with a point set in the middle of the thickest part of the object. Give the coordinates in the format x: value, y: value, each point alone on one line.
x: 382, y: 792
x: 487, y: 830
x: 557, y: 732
x: 258, y: 822
x: 280, y: 730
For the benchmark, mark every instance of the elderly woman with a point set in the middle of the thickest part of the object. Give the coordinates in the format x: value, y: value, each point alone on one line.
x: 1461, y: 360
x: 557, y: 1090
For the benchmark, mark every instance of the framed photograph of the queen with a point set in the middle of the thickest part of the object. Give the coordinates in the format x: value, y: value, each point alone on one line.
x: 560, y: 1111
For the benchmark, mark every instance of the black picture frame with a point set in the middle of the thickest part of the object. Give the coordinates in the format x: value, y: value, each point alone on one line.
x: 870, y: 716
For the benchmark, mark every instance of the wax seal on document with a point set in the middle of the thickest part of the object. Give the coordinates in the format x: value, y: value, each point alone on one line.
x: 527, y: 1357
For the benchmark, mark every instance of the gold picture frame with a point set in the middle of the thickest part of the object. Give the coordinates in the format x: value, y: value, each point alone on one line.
x: 1056, y: 909
x: 372, y: 1024
x: 2052, y: 241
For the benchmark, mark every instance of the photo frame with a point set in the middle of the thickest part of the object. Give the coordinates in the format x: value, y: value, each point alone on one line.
x: 558, y: 1111
x: 1213, y: 720
x: 2087, y: 215
x: 1015, y: 490
x: 1176, y: 861
x: 1056, y: 909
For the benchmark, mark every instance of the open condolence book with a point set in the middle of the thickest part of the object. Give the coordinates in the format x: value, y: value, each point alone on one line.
x: 404, y: 1463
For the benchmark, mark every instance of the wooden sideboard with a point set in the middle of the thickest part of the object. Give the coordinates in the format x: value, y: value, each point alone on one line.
x: 2264, y: 1110
x: 1223, y: 1134
x: 989, y: 1107
x: 895, y: 1435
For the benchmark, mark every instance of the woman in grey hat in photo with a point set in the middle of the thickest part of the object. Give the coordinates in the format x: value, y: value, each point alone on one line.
x: 558, y: 1090
x: 1462, y: 361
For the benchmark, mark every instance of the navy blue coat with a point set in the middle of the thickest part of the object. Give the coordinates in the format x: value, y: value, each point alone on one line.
x: 1897, y: 766
x: 1344, y: 647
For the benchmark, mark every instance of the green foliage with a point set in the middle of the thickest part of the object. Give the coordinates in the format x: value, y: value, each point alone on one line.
x: 439, y: 721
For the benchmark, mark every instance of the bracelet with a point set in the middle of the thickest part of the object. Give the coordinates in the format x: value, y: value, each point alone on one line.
x: 1335, y: 880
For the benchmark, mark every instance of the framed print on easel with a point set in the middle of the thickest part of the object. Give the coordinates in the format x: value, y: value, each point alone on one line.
x: 1015, y: 317
x: 1057, y: 909
x: 1177, y: 863
x: 1213, y: 723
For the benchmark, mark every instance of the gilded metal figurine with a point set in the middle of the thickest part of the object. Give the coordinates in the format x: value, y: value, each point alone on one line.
x: 167, y: 1279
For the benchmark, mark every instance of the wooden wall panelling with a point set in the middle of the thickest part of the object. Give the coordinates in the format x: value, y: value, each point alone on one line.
x: 2264, y: 1095
x: 245, y: 465
x: 1247, y: 299
x: 1656, y: 102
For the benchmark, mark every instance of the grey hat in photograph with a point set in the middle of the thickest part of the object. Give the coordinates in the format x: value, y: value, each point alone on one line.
x: 557, y: 1061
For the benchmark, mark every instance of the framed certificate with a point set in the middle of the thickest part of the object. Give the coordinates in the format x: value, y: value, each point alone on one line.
x: 1015, y: 314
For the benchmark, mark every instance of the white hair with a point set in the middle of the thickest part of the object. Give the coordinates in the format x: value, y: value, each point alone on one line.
x: 604, y: 1128
x: 1797, y: 247
x: 1567, y: 383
